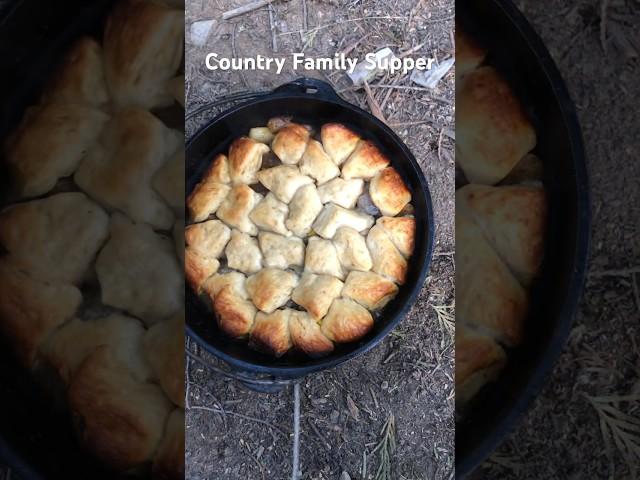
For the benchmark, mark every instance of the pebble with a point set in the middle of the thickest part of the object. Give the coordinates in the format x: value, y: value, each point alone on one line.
x: 200, y: 32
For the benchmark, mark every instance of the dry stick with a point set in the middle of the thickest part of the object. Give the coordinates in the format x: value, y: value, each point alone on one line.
x: 235, y: 54
x: 373, y: 105
x: 272, y: 26
x: 305, y: 25
x: 239, y: 415
x: 250, y: 7
x: 326, y: 444
x: 329, y: 25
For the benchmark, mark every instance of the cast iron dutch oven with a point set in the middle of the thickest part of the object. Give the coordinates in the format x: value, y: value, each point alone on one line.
x: 312, y: 102
x: 519, y: 54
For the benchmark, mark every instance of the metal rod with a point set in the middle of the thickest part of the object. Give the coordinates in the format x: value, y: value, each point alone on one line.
x: 296, y: 474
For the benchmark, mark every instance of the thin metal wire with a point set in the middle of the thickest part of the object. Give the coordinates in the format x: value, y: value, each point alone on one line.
x: 232, y: 97
x: 241, y: 376
x: 296, y: 473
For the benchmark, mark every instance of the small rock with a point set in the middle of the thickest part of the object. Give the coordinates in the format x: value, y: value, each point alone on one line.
x: 200, y: 32
x: 345, y: 476
x: 334, y: 416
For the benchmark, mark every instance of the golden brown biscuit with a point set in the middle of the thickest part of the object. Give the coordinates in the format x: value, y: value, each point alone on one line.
x: 369, y: 289
x: 469, y: 54
x: 80, y: 77
x: 389, y: 192
x: 365, y: 161
x: 281, y: 252
x: 479, y: 359
x: 164, y: 349
x: 198, y: 268
x: 271, y: 332
x: 30, y: 310
x: 513, y: 220
x: 401, y: 231
x: 138, y: 271
x: 284, y: 181
x: 208, y: 238
x: 290, y: 143
x: 334, y: 217
x: 235, y: 314
x: 69, y: 346
x: 317, y: 164
x: 270, y: 214
x: 321, y: 257
x: 344, y: 193
x: 316, y: 293
x: 50, y: 142
x: 387, y: 259
x: 488, y: 296
x: 168, y: 181
x: 117, y: 418
x: 143, y: 48
x: 347, y: 321
x: 118, y: 170
x: 352, y: 249
x: 306, y: 335
x: 168, y: 463
x: 245, y: 159
x: 55, y: 238
x: 235, y: 209
x: 492, y: 130
x: 271, y: 288
x: 303, y: 210
x: 243, y: 253
x: 338, y: 141
x: 235, y: 280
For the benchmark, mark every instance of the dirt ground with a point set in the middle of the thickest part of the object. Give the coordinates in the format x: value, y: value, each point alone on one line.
x: 410, y: 375
x: 560, y: 437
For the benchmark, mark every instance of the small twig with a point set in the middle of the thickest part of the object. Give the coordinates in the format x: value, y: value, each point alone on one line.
x: 250, y: 7
x: 419, y: 122
x: 272, y: 26
x: 329, y: 25
x: 373, y: 105
x: 349, y: 48
x: 313, y: 427
x: 239, y: 415
x: 305, y: 25
x: 235, y: 54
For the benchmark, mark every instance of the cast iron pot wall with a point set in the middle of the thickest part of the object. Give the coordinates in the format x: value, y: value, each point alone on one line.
x: 518, y: 53
x: 313, y: 102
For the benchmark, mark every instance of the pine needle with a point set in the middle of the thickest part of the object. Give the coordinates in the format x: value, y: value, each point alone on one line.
x: 446, y: 317
x: 386, y: 448
x: 621, y: 428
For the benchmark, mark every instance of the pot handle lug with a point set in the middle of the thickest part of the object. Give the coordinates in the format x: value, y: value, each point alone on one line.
x: 310, y: 87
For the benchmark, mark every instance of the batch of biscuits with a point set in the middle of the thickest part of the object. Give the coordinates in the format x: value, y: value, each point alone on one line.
x: 299, y: 235
x: 91, y: 286
x: 500, y: 219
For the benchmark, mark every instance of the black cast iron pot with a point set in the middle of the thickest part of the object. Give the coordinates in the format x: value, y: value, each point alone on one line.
x: 519, y: 54
x: 311, y: 102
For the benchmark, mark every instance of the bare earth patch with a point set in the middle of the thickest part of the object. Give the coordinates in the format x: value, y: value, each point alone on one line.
x: 408, y: 380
